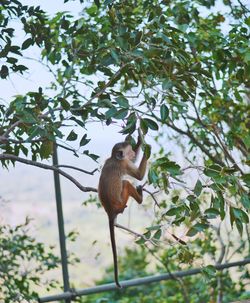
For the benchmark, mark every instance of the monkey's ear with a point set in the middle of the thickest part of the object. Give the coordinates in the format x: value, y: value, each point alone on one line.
x: 119, y: 155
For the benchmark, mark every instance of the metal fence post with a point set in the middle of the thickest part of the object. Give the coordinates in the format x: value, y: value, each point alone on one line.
x: 60, y: 220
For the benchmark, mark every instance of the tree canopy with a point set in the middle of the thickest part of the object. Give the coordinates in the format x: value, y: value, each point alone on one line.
x: 178, y: 70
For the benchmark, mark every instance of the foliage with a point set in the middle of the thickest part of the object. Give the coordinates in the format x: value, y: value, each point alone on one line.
x: 205, y: 287
x: 23, y: 263
x: 179, y: 70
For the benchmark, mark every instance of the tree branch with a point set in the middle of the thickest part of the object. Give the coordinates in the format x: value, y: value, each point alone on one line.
x: 135, y: 233
x: 101, y: 91
x: 79, y: 169
x: 46, y: 166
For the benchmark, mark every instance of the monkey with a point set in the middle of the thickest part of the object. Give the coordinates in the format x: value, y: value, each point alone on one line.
x: 114, y: 191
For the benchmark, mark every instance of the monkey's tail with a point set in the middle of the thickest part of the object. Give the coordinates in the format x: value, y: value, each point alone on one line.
x: 112, y: 237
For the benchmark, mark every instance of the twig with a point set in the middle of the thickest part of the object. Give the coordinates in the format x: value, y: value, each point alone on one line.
x: 152, y: 195
x: 12, y: 127
x: 101, y: 91
x: 135, y: 233
x: 79, y: 169
x: 49, y: 167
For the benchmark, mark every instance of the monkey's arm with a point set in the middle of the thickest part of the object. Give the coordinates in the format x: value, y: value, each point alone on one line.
x: 139, y: 172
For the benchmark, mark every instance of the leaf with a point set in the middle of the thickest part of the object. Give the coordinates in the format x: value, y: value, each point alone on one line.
x: 147, y: 150
x: 27, y: 43
x: 152, y: 176
x: 239, y: 226
x: 140, y: 241
x: 164, y: 111
x: 4, y: 72
x: 65, y: 104
x: 122, y: 101
x: 174, y: 211
x: 138, y: 37
x: 240, y: 214
x: 121, y: 114
x: 46, y: 149
x: 155, y: 227
x: 97, y: 3
x: 84, y: 140
x: 143, y: 126
x: 209, y: 271
x: 157, y: 234
x: 245, y: 200
x: 198, y: 227
x: 110, y: 113
x: 166, y: 84
x: 212, y: 171
x: 246, y: 179
x: 92, y: 156
x: 198, y: 188
x: 212, y: 213
x: 72, y: 136
x: 192, y: 232
x: 151, y: 124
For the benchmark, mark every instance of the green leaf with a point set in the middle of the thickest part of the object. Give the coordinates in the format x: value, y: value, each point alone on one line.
x: 239, y: 226
x: 121, y: 114
x: 246, y: 179
x: 198, y: 227
x: 209, y: 271
x: 174, y: 211
x: 152, y: 176
x: 164, y: 111
x: 72, y: 136
x: 138, y: 37
x: 27, y: 43
x: 157, y: 234
x: 198, y: 188
x: 147, y: 150
x: 84, y: 140
x: 155, y: 227
x: 192, y: 232
x: 46, y: 149
x: 212, y: 213
x: 240, y: 214
x: 167, y: 84
x: 143, y: 126
x: 110, y: 113
x: 97, y: 3
x: 65, y: 104
x: 4, y: 72
x: 245, y: 200
x: 212, y: 171
x: 122, y: 101
x: 151, y: 124
x: 92, y: 156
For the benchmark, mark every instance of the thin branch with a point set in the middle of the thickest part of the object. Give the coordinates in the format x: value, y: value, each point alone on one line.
x: 135, y: 233
x: 152, y: 195
x: 79, y: 169
x: 12, y: 127
x: 46, y: 166
x: 224, y: 147
x: 101, y: 91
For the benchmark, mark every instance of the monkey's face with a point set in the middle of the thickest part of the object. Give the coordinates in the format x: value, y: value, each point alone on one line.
x: 129, y: 153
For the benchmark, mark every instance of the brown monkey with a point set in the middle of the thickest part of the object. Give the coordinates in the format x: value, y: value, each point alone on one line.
x: 114, y: 191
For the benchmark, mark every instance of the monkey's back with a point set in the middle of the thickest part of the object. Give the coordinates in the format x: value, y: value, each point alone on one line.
x: 110, y: 185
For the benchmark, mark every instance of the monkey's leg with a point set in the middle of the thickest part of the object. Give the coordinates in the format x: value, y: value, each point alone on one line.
x: 129, y: 190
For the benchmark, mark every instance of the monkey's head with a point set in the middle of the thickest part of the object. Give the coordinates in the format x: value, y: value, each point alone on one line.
x: 122, y: 151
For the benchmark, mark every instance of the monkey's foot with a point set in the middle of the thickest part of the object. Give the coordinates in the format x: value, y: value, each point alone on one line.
x: 139, y: 189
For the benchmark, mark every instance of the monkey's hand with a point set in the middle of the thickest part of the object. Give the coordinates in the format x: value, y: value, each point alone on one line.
x: 128, y: 138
